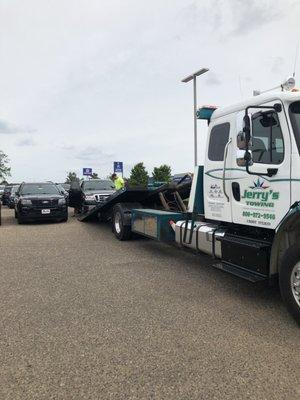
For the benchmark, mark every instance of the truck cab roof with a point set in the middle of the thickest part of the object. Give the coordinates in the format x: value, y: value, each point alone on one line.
x: 256, y: 100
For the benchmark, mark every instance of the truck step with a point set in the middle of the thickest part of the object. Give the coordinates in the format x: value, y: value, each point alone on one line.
x: 240, y: 272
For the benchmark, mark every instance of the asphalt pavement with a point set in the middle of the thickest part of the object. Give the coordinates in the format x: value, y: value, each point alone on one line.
x: 84, y: 316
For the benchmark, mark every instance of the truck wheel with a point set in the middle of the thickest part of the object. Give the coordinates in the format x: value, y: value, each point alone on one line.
x: 121, y: 231
x: 289, y: 281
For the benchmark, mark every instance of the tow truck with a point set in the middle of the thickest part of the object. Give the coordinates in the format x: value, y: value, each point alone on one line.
x: 243, y: 205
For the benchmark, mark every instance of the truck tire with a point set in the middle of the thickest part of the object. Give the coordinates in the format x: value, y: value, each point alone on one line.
x: 289, y: 281
x: 120, y: 230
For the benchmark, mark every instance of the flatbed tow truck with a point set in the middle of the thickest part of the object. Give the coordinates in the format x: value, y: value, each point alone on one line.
x: 243, y: 205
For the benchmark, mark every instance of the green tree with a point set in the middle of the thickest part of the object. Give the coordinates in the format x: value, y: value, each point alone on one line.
x: 4, y: 168
x: 162, y: 173
x: 72, y: 177
x: 138, y: 175
x: 94, y: 175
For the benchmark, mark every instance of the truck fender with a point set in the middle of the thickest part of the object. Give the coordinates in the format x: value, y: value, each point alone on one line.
x: 286, y: 234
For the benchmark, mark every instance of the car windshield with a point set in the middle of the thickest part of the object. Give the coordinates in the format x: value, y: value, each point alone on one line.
x: 294, y: 111
x: 7, y: 189
x: 39, y: 188
x: 97, y: 185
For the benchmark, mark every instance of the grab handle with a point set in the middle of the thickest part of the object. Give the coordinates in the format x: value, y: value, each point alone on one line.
x: 224, y: 168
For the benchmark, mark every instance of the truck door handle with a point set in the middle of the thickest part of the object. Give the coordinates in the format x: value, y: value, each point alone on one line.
x: 224, y: 168
x: 236, y: 191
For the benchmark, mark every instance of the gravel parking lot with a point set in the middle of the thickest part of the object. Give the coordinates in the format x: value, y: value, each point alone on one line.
x: 84, y: 316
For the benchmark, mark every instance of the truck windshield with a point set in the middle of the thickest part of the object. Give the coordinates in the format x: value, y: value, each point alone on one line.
x: 97, y: 185
x: 38, y: 188
x: 294, y: 111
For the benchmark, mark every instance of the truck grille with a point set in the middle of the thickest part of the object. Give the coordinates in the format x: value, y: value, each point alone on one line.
x: 45, y: 203
x: 101, y: 198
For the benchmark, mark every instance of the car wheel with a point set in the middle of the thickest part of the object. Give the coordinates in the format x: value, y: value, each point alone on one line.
x: 65, y: 219
x: 289, y: 281
x: 121, y: 231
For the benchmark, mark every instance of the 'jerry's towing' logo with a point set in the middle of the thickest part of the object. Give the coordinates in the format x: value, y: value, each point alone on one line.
x: 259, y: 196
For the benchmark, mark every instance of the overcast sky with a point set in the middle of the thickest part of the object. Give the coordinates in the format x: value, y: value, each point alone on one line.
x: 84, y: 83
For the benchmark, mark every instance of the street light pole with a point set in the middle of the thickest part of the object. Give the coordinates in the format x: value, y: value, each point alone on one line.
x: 195, y: 122
x: 185, y: 80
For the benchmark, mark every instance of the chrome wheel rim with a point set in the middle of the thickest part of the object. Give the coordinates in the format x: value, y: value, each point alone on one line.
x: 295, y: 283
x: 118, y: 222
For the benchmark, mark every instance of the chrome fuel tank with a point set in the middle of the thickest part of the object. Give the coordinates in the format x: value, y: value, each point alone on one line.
x: 205, y: 237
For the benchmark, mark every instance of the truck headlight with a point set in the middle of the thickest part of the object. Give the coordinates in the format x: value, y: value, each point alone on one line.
x: 62, y: 202
x: 26, y: 202
x: 89, y: 197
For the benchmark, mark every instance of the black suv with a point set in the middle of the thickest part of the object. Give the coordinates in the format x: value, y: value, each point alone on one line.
x: 40, y: 201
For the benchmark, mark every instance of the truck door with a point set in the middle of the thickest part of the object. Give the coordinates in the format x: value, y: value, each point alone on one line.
x: 217, y: 189
x: 258, y: 199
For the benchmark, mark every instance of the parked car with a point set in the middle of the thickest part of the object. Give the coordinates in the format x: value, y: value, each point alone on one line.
x: 40, y: 201
x: 12, y: 197
x: 91, y: 192
x: 6, y: 194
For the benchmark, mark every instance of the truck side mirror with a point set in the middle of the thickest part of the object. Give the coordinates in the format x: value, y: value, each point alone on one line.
x: 247, y: 128
x: 243, y: 158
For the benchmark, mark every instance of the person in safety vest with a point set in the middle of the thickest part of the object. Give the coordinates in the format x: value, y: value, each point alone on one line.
x: 118, y: 181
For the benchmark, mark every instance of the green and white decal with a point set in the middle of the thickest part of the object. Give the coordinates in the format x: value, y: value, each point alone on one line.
x: 260, y: 200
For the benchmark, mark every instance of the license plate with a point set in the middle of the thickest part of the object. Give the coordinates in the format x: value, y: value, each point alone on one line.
x: 46, y: 211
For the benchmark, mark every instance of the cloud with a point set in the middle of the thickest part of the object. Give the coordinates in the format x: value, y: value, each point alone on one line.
x: 195, y: 14
x: 9, y: 128
x: 94, y: 154
x: 106, y: 78
x: 67, y: 147
x: 249, y: 16
x: 212, y: 79
x: 277, y: 65
x: 232, y: 17
x: 25, y: 142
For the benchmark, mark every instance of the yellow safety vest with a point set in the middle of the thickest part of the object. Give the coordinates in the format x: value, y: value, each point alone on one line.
x: 119, y: 183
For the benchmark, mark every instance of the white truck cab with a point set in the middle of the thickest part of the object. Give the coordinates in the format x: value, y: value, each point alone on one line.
x: 262, y: 196
x: 244, y: 207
